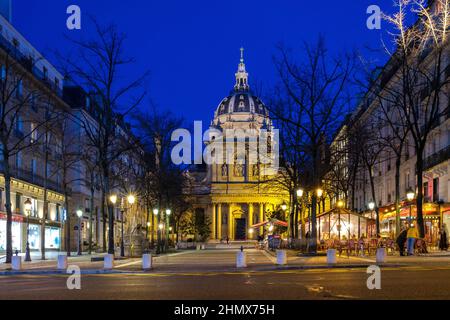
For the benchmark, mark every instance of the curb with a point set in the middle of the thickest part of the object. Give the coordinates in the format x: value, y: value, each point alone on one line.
x: 231, y: 270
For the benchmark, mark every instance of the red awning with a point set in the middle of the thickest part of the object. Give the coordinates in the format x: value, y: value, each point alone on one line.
x: 275, y: 222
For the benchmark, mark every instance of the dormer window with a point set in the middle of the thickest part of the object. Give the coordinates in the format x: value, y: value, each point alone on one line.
x: 241, y: 105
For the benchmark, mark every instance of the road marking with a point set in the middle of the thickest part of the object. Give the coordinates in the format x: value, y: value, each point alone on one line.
x: 139, y: 260
x: 268, y: 256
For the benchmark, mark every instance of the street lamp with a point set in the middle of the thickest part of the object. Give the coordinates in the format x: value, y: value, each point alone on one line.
x: 168, y: 212
x: 113, y: 198
x: 319, y: 193
x: 284, y: 206
x: 410, y: 195
x: 27, y: 204
x: 340, y: 204
x: 300, y: 193
x: 79, y: 215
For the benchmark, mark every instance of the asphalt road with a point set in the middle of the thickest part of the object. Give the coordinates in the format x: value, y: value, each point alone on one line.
x: 212, y: 275
x: 398, y: 283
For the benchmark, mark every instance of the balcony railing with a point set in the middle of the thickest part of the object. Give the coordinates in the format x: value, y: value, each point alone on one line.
x: 437, y: 158
x: 28, y: 64
x: 31, y: 177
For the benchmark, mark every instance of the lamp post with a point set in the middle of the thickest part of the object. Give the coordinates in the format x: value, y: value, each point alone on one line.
x: 371, y: 206
x: 79, y: 215
x: 158, y: 235
x: 300, y: 193
x: 168, y: 212
x: 410, y: 195
x: 131, y: 199
x: 28, y: 213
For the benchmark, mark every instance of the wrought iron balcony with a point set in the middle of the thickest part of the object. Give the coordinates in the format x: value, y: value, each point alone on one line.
x: 437, y: 158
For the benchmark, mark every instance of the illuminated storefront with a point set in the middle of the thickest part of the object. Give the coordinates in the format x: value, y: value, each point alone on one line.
x: 340, y: 223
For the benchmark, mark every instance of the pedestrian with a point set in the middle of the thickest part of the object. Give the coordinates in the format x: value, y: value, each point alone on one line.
x: 412, y: 236
x: 308, y: 237
x: 228, y: 240
x: 401, y: 240
x: 443, y: 242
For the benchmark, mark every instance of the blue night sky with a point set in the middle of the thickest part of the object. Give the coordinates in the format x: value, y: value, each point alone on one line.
x: 191, y: 48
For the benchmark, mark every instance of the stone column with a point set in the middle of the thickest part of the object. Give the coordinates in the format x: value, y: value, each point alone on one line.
x: 230, y: 221
x: 250, y: 221
x: 219, y: 221
x: 213, y: 221
x: 261, y: 218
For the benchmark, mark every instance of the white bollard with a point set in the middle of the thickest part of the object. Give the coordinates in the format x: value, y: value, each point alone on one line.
x: 146, y: 261
x: 381, y: 255
x: 203, y: 247
x: 16, y: 263
x: 108, y: 262
x: 198, y: 247
x: 331, y: 256
x: 281, y: 257
x: 241, y: 259
x: 62, y: 262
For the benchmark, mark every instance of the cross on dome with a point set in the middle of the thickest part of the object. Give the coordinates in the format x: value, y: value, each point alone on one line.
x: 241, y: 75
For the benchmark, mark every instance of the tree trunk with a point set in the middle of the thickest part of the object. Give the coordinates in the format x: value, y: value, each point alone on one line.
x: 397, y: 195
x: 372, y: 186
x: 91, y: 214
x: 419, y: 210
x: 66, y: 200
x: 111, y: 245
x: 103, y: 221
x: 312, y: 222
x: 9, y: 250
x: 45, y: 210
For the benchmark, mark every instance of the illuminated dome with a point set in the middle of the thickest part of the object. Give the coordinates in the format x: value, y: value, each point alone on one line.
x: 241, y: 99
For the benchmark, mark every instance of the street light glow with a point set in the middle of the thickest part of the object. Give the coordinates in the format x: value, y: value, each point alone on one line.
x: 131, y: 199
x: 371, y: 205
x: 160, y: 226
x: 319, y: 193
x: 271, y: 228
x: 113, y: 198
x: 168, y: 212
x: 340, y: 204
x: 284, y: 206
x: 300, y: 193
x: 79, y: 213
x: 410, y: 195
x: 27, y: 204
x: 155, y: 212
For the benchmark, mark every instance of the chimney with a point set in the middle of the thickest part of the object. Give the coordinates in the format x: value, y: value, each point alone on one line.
x: 6, y: 9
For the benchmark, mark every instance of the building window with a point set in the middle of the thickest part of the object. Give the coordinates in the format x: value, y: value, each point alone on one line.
x: 3, y: 73
x: 426, y: 195
x: 18, y: 205
x: 19, y: 89
x: 18, y: 160
x: 435, y: 189
x: 34, y: 133
x: 33, y: 166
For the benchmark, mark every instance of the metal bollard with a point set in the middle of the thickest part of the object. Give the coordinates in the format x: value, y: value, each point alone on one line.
x: 16, y: 263
x: 241, y: 259
x: 331, y: 256
x: 62, y: 262
x: 108, y: 263
x: 281, y: 257
x: 147, y: 261
x: 381, y: 255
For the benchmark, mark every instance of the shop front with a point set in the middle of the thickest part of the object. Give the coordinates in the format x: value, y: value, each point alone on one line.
x: 408, y: 213
x: 341, y: 224
x: 16, y: 233
x: 19, y: 234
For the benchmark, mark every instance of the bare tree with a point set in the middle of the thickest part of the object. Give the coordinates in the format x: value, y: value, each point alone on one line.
x: 19, y: 95
x: 98, y: 67
x: 317, y: 87
x: 420, y: 67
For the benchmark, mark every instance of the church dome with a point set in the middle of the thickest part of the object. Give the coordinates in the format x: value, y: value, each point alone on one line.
x: 241, y: 99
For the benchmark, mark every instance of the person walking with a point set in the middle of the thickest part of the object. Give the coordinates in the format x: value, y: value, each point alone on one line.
x: 228, y: 240
x: 443, y: 242
x: 401, y: 240
x: 412, y: 236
